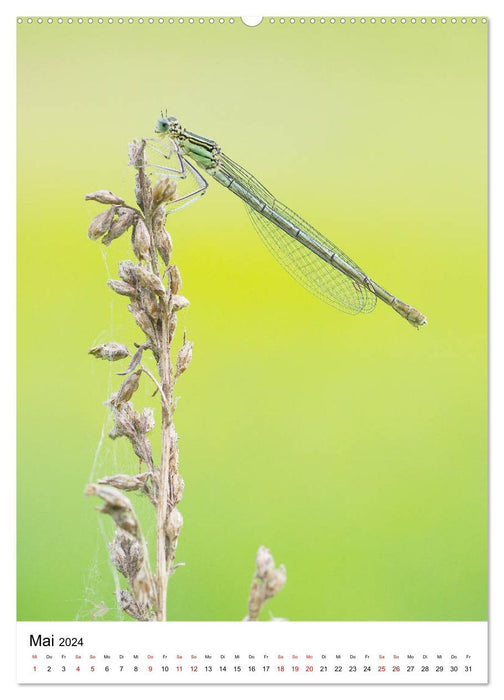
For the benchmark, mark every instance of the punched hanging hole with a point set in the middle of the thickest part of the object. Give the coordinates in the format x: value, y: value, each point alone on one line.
x: 251, y: 21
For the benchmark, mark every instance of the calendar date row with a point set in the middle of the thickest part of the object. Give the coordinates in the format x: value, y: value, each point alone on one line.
x: 308, y: 668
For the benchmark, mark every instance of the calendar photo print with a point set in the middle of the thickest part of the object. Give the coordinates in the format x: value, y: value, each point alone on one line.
x: 252, y: 349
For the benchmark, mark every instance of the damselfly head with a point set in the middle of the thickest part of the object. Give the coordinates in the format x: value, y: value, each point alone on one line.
x: 167, y: 125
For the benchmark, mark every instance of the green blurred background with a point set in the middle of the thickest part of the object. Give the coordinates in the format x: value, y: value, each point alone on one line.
x: 353, y: 447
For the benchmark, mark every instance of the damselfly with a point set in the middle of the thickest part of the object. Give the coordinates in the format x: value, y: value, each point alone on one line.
x: 314, y: 261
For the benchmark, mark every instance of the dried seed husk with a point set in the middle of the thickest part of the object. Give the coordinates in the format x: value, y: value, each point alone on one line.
x: 126, y: 554
x: 123, y: 288
x: 173, y: 525
x: 133, y: 426
x: 128, y: 604
x: 164, y: 244
x: 275, y: 581
x: 141, y: 588
x: 150, y: 303
x: 179, y: 302
x: 256, y: 599
x: 178, y: 488
x: 140, y: 240
x: 142, y: 319
x: 105, y: 197
x: 127, y: 388
x: 144, y: 191
x: 175, y: 279
x: 121, y: 224
x: 174, y: 453
x: 267, y: 582
x: 126, y: 268
x: 125, y: 482
x: 158, y: 219
x: 164, y: 190
x: 264, y: 562
x: 142, y: 448
x: 145, y: 421
x: 172, y: 327
x: 110, y: 351
x: 184, y: 357
x: 148, y: 279
x: 136, y: 154
x: 101, y: 223
x: 139, y: 192
x: 140, y: 276
x: 124, y: 420
x: 116, y: 505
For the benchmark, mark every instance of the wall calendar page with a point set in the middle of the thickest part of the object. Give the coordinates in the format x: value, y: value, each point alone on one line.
x: 252, y: 349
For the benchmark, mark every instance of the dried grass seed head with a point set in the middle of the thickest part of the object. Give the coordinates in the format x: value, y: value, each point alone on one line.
x: 149, y: 280
x: 120, y: 225
x: 112, y: 497
x: 256, y: 598
x: 126, y: 554
x: 175, y: 279
x: 172, y: 327
x: 124, y: 415
x: 101, y: 224
x: 127, y: 388
x: 142, y: 588
x: 130, y: 606
x: 136, y: 154
x: 264, y: 562
x: 143, y: 190
x: 123, y: 288
x: 140, y: 240
x: 178, y: 488
x: 142, y: 319
x: 164, y: 245
x: 126, y: 272
x: 162, y: 238
x: 142, y: 448
x: 150, y: 303
x: 105, y: 197
x: 116, y: 505
x: 110, y: 351
x: 158, y: 219
x: 145, y: 421
x: 179, y: 302
x: 184, y: 357
x: 275, y: 581
x: 140, y: 277
x: 125, y: 482
x: 174, y: 524
x: 164, y: 190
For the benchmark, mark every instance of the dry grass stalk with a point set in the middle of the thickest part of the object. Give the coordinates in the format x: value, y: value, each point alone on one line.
x: 153, y: 305
x: 267, y: 582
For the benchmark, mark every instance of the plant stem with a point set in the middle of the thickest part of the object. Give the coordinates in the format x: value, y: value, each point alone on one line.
x: 164, y: 471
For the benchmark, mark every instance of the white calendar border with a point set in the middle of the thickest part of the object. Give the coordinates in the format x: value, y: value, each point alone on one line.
x: 387, y: 8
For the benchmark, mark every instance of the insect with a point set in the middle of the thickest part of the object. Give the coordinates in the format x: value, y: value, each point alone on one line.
x: 313, y: 260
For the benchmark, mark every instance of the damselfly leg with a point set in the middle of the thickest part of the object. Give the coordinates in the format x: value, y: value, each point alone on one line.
x: 156, y: 162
